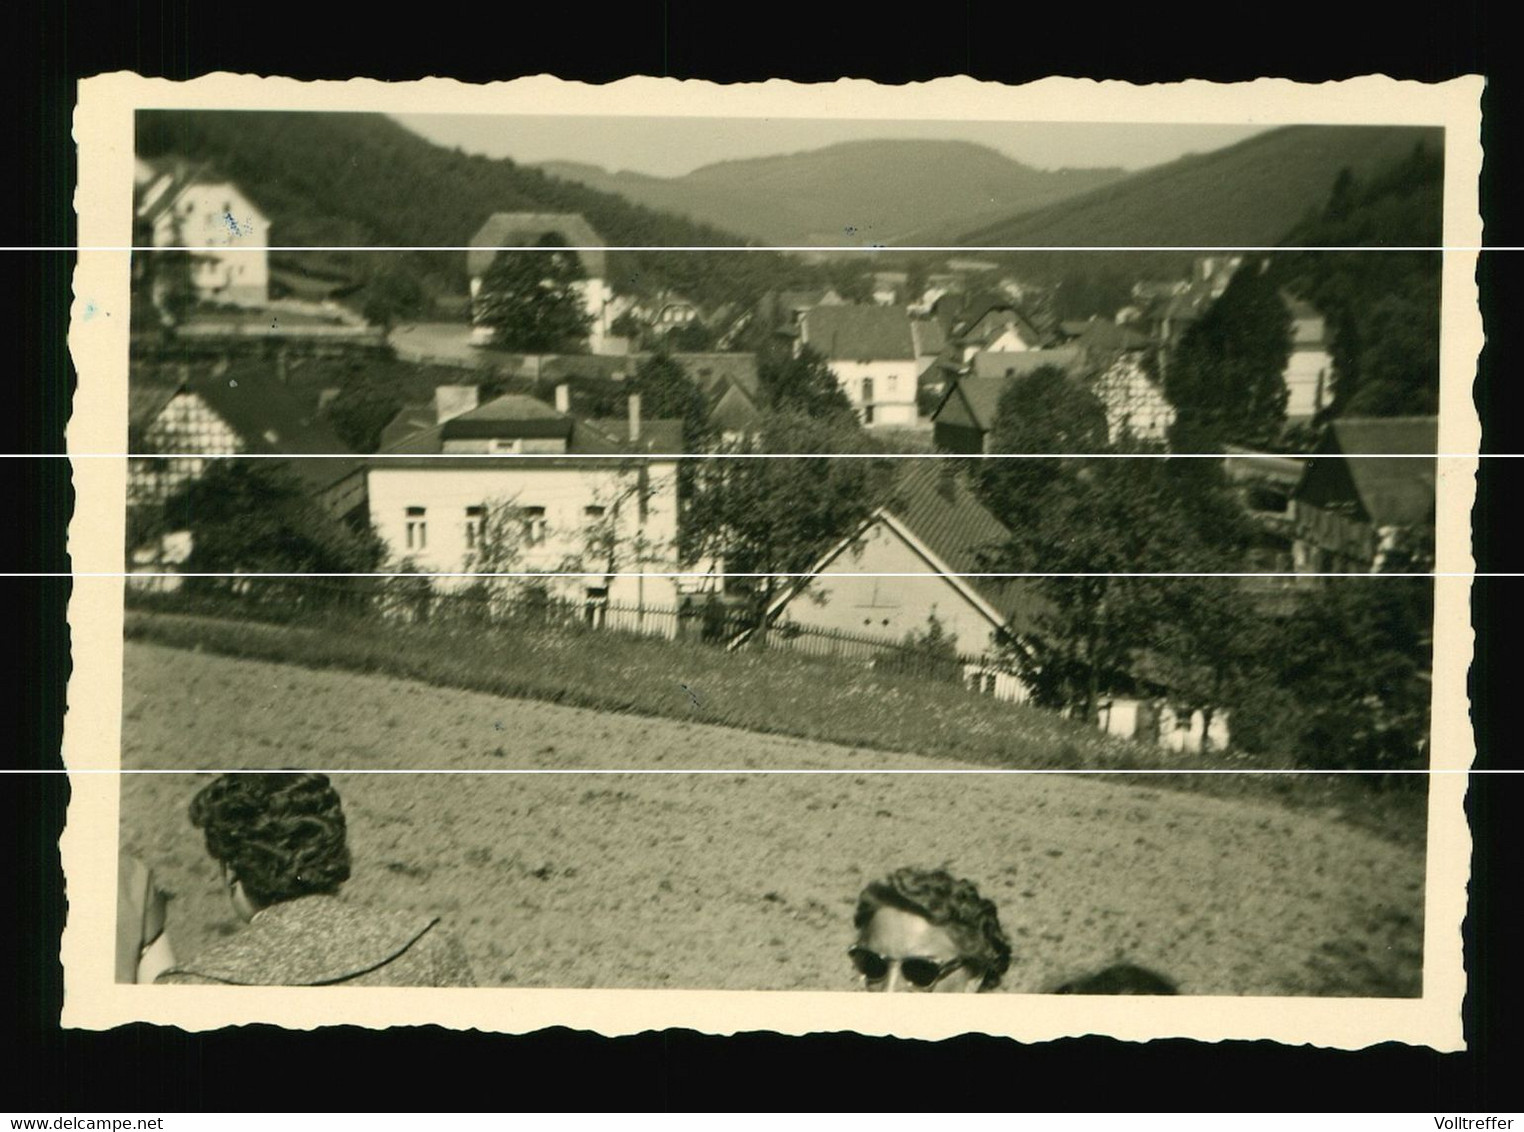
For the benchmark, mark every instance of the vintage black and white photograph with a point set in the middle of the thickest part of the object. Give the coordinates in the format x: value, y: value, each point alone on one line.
x: 562, y: 548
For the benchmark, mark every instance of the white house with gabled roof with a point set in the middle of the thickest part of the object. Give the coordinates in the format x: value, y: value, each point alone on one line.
x: 503, y: 230
x: 872, y: 352
x: 179, y: 208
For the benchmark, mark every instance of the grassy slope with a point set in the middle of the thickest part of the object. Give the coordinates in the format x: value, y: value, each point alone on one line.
x: 768, y: 692
x: 747, y: 880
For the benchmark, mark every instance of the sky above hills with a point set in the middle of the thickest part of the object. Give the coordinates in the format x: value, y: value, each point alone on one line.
x: 670, y: 147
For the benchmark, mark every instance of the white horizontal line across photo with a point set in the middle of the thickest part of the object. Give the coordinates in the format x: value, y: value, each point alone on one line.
x: 869, y: 249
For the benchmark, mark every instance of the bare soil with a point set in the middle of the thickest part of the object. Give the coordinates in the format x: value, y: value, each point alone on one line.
x: 748, y: 880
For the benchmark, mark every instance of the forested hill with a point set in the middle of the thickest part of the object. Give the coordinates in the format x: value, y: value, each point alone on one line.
x: 1249, y: 194
x: 860, y: 192
x: 1383, y: 308
x: 358, y: 179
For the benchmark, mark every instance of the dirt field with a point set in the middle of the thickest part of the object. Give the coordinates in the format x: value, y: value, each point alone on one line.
x: 747, y: 881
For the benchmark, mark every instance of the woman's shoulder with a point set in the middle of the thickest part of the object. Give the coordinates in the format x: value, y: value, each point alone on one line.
x: 308, y: 942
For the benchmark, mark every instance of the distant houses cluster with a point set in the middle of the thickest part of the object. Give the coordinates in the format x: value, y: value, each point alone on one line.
x: 522, y: 484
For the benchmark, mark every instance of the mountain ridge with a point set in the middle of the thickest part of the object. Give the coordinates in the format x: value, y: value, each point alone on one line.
x: 872, y: 190
x: 1249, y: 194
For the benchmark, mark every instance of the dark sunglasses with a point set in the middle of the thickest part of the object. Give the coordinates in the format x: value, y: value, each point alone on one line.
x: 923, y: 974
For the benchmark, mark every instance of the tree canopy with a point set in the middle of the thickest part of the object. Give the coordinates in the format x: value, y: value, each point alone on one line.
x: 666, y: 391
x: 254, y: 516
x: 1227, y: 379
x: 1088, y: 525
x: 1383, y: 311
x: 804, y: 384
x: 533, y: 301
x: 775, y: 517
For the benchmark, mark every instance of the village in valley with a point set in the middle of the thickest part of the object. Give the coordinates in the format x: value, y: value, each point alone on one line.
x: 809, y: 457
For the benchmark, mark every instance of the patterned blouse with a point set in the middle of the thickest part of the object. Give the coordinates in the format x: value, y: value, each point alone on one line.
x: 322, y: 940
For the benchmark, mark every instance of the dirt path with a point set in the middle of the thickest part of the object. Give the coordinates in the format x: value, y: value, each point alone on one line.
x: 747, y: 880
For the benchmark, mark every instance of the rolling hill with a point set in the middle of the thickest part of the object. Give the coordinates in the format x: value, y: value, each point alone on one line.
x: 359, y: 179
x: 861, y: 192
x: 1249, y: 194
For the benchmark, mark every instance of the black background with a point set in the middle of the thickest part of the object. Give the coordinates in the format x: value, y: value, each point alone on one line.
x: 140, y: 1068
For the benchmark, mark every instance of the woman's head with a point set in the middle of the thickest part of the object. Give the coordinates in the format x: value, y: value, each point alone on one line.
x: 923, y: 929
x: 1120, y: 978
x: 278, y: 836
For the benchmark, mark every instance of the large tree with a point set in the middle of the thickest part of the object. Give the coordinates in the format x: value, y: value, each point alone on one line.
x: 1088, y: 521
x: 1043, y: 413
x: 532, y: 299
x: 775, y: 516
x: 666, y: 391
x: 255, y: 516
x: 1227, y: 379
x: 1346, y: 677
x: 803, y: 383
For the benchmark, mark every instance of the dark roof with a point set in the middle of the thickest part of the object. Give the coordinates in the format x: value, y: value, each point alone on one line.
x: 612, y: 434
x: 265, y: 413
x: 705, y: 369
x: 935, y: 504
x: 1101, y: 336
x: 512, y: 407
x: 268, y: 418
x: 731, y: 407
x: 852, y: 333
x: 409, y: 421
x: 929, y: 335
x: 503, y: 428
x: 714, y: 373
x: 525, y: 229
x: 514, y: 416
x: 995, y: 321
x: 1005, y: 364
x: 611, y: 366
x: 146, y: 399
x: 1392, y: 492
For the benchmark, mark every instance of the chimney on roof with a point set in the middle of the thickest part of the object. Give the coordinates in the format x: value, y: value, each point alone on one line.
x: 634, y: 416
x: 451, y: 401
x: 563, y: 397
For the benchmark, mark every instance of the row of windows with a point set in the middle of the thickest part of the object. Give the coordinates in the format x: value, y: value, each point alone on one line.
x: 416, y: 526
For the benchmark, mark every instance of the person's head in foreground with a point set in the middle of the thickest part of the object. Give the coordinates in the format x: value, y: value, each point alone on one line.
x: 281, y: 842
x: 278, y: 837
x: 926, y: 930
x: 1120, y: 978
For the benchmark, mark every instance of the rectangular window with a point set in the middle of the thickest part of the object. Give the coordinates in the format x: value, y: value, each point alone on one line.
x: 592, y: 512
x: 474, y: 516
x: 417, y: 528
x: 534, y: 525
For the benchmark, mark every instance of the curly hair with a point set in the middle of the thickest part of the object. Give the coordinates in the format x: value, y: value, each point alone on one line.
x: 950, y: 903
x: 281, y: 834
